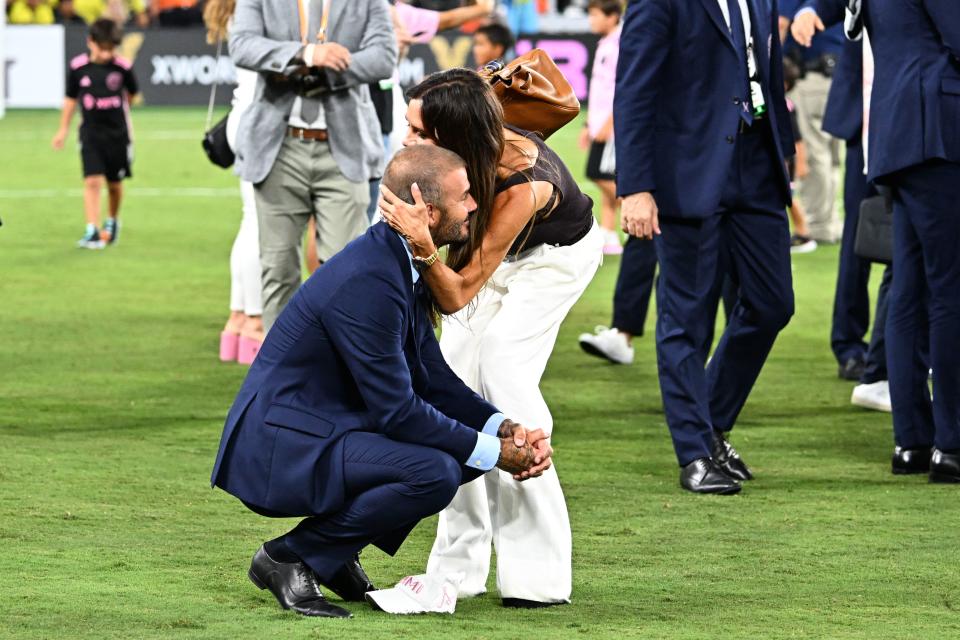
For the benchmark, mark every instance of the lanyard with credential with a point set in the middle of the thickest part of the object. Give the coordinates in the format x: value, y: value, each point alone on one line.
x: 322, y: 34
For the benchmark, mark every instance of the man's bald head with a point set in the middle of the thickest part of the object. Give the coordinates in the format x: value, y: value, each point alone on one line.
x: 426, y: 165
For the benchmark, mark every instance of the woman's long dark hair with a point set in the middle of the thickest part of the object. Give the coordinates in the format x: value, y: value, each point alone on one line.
x: 461, y: 113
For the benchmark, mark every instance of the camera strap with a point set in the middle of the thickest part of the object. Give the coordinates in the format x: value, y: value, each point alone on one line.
x: 304, y: 26
x: 213, y: 87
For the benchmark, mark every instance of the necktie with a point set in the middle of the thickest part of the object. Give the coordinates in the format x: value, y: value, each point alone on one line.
x: 310, y: 107
x: 740, y: 44
x: 418, y: 304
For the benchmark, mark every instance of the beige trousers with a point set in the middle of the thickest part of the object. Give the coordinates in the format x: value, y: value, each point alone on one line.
x: 818, y: 191
x: 305, y: 181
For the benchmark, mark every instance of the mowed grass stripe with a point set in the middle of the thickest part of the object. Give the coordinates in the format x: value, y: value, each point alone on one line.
x: 112, y: 401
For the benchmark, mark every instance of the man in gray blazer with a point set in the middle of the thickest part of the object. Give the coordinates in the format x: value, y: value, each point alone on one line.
x: 309, y: 154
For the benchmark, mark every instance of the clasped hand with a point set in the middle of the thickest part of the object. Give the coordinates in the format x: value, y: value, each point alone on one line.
x: 525, y: 454
x: 331, y: 55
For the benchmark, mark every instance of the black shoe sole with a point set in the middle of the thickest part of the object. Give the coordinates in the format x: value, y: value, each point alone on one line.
x: 255, y: 580
x: 729, y: 491
x: 593, y: 351
x: 943, y: 478
x: 909, y: 472
x: 520, y: 603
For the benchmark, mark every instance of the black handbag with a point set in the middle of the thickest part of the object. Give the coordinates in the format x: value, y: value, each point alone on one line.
x: 874, y: 239
x: 215, y: 139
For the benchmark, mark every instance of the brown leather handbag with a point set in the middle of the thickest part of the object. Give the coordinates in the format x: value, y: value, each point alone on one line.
x: 534, y: 93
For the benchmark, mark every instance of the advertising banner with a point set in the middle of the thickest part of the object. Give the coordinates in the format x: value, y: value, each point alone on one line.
x: 173, y: 66
x: 178, y: 67
x: 33, y: 66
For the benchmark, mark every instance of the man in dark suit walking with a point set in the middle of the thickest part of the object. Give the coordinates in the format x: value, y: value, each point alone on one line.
x: 914, y: 147
x: 350, y: 416
x: 702, y: 131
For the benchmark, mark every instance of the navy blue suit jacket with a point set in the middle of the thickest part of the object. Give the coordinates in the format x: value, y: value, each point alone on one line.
x: 915, y: 102
x: 350, y: 352
x: 675, y: 118
x: 843, y: 115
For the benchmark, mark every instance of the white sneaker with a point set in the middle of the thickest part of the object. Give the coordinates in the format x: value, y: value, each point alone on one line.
x: 607, y: 343
x: 874, y: 396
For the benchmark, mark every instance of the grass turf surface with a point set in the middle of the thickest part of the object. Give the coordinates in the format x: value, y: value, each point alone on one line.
x: 112, y: 402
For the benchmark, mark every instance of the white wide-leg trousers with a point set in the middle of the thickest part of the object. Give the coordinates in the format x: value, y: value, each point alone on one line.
x: 500, y: 349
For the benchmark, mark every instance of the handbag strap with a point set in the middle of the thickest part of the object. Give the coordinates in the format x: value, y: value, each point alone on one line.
x: 216, y: 81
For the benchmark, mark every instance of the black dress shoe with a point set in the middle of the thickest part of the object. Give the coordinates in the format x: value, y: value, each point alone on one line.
x: 294, y: 585
x: 728, y: 459
x: 350, y: 582
x: 852, y: 369
x: 908, y: 461
x: 944, y: 467
x: 704, y: 476
x: 520, y: 603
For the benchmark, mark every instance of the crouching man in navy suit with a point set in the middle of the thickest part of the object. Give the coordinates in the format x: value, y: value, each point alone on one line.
x: 350, y: 417
x: 702, y: 131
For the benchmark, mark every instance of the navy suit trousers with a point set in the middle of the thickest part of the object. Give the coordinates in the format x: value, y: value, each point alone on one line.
x: 390, y: 486
x: 851, y: 301
x: 876, y: 358
x: 631, y: 297
x: 749, y: 234
x: 924, y: 307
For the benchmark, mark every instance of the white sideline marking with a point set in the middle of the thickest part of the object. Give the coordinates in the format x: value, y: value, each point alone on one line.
x: 159, y: 134
x: 140, y: 192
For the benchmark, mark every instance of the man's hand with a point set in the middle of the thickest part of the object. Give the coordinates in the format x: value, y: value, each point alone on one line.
x: 513, y: 459
x: 638, y: 215
x: 331, y: 55
x: 805, y: 26
x: 512, y: 433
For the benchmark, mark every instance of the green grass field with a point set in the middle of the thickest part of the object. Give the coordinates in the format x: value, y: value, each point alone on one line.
x: 112, y: 402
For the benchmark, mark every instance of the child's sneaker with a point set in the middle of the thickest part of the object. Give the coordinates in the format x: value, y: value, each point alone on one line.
x: 111, y: 228
x: 611, y: 243
x: 91, y: 239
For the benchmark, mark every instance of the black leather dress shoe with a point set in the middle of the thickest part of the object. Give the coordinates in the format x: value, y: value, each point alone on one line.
x: 908, y: 461
x: 728, y: 459
x: 294, y: 585
x: 944, y: 467
x: 852, y: 369
x: 520, y: 603
x: 350, y: 582
x: 704, y: 476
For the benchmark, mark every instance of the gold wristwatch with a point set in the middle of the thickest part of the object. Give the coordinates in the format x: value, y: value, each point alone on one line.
x: 424, y: 263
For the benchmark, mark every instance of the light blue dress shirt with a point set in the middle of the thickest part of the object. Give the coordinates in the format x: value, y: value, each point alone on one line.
x: 487, y: 451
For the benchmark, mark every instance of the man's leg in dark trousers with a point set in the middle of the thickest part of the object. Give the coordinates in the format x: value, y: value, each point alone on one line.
x: 631, y: 297
x: 390, y: 486
x: 876, y: 359
x: 851, y: 300
x: 755, y: 238
x: 925, y: 307
x: 688, y: 251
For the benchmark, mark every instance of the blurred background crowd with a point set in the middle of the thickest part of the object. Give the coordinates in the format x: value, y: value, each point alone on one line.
x: 524, y: 16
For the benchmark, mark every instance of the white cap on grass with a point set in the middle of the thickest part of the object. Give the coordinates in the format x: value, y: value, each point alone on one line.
x: 419, y: 594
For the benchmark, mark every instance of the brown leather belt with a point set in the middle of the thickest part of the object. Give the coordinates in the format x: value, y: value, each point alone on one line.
x: 307, y: 134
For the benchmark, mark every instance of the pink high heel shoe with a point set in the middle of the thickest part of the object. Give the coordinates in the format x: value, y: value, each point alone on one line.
x: 247, y: 350
x: 229, y: 343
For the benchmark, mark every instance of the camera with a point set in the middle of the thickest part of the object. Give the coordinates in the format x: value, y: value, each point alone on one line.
x: 308, y: 82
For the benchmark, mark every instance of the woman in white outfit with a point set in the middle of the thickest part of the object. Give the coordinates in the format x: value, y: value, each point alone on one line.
x: 241, y: 336
x: 534, y: 247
